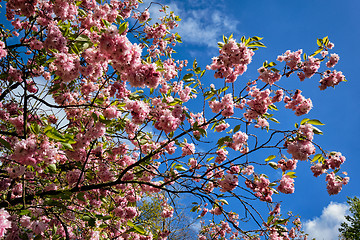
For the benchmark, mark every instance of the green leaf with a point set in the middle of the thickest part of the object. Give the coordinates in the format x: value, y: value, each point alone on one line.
x: 224, y: 201
x: 319, y: 42
x: 317, y: 157
x: 305, y: 56
x: 255, y: 44
x: 271, y: 64
x: 194, y: 64
x: 305, y: 120
x: 222, y: 140
x: 55, y: 135
x: 197, y: 70
x: 291, y: 174
x: 316, y: 52
x: 272, y: 107
x: 225, y: 39
x: 180, y: 167
x: 80, y: 196
x: 188, y: 76
x: 123, y: 27
x: 274, y: 120
x: 209, y: 159
x: 236, y: 128
x: 271, y: 157
x: 317, y: 131
x: 325, y: 40
x: 194, y: 208
x: 270, y: 218
x: 315, y: 122
x: 52, y: 168
x: 67, y: 146
x: 5, y: 143
x: 273, y: 165
x: 24, y: 212
x: 35, y: 128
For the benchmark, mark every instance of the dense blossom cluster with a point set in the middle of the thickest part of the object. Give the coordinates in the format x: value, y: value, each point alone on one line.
x: 298, y: 103
x: 96, y: 116
x: 331, y: 79
x: 232, y: 61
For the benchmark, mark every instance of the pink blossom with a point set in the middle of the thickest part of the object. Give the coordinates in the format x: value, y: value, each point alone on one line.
x: 292, y: 59
x: 167, y: 212
x: 290, y: 164
x: 268, y: 76
x: 38, y: 227
x: 334, y: 59
x: 229, y: 183
x: 335, y: 159
x: 188, y: 149
x: 221, y: 127
x: 331, y: 79
x: 317, y: 169
x: 4, y: 222
x: 310, y: 66
x: 248, y: 170
x: 221, y: 155
x: 232, y: 61
x: 286, y: 185
x: 300, y: 149
x: 335, y: 183
x: 3, y: 51
x: 238, y: 141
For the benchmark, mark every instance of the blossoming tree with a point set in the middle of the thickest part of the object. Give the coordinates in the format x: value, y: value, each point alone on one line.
x: 96, y: 114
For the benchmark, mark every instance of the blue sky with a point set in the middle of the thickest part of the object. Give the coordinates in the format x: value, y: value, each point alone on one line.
x: 293, y: 25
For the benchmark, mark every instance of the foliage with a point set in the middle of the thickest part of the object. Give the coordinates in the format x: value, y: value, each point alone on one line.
x: 351, y: 228
x: 96, y: 115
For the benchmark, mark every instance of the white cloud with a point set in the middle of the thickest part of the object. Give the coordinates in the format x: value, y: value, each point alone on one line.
x: 325, y: 227
x: 203, y: 26
x: 203, y: 22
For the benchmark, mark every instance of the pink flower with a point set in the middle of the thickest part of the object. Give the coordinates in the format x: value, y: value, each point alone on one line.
x: 300, y: 149
x: 221, y: 127
x: 268, y: 76
x: 248, y: 170
x: 335, y: 183
x: 331, y: 79
x: 287, y: 165
x: 229, y: 183
x: 188, y: 149
x: 286, y: 185
x: 38, y: 227
x: 334, y: 59
x: 167, y: 212
x: 3, y: 51
x: 221, y: 155
x: 4, y: 222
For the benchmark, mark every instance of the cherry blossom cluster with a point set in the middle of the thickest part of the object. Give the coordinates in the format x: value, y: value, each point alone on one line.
x: 298, y: 103
x: 239, y: 142
x: 258, y: 104
x: 331, y: 79
x: 268, y: 76
x: 286, y: 185
x: 332, y: 161
x: 232, y: 61
x: 335, y: 183
x: 3, y: 51
x: 292, y: 59
x: 115, y: 131
x: 260, y: 185
x: 226, y: 105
